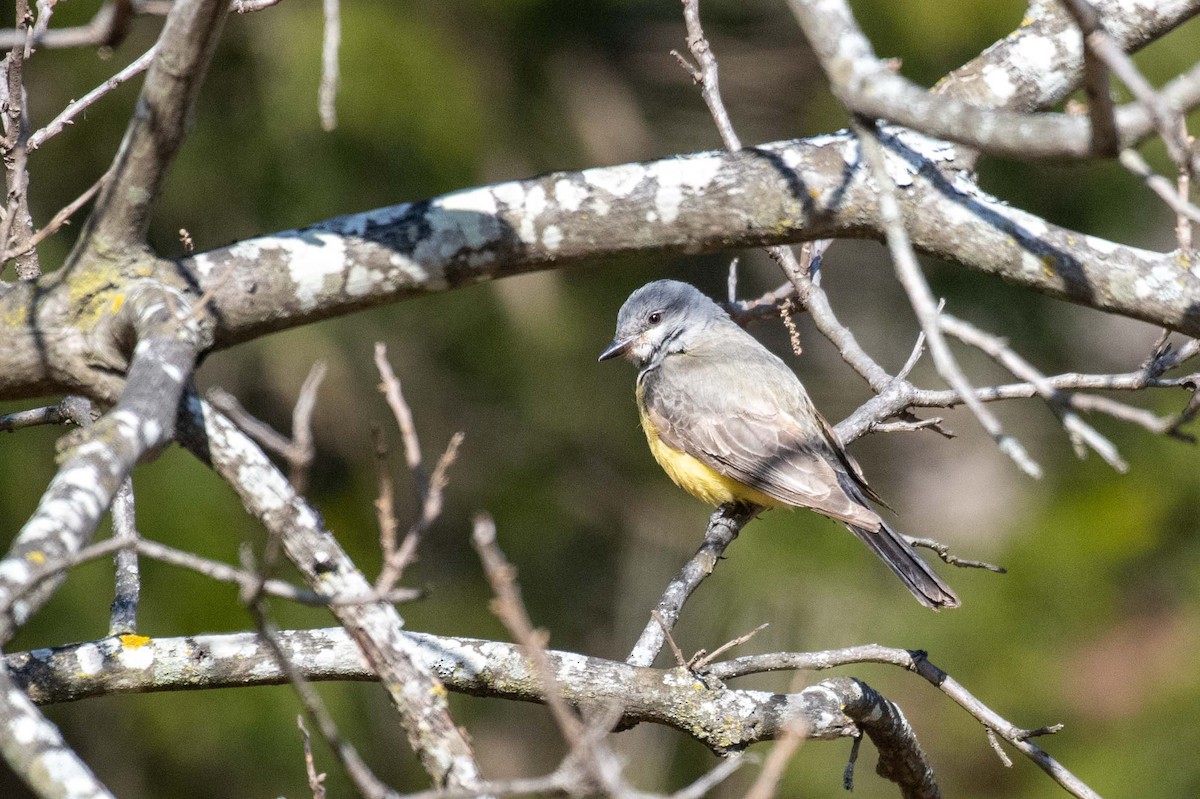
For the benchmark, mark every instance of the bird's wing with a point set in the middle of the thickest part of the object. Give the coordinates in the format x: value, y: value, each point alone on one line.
x: 761, y: 431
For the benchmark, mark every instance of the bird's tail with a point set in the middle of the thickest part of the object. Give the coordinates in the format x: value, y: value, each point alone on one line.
x: 894, y: 550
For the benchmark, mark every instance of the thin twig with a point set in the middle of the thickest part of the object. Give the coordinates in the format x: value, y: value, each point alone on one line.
x: 510, y: 609
x: 943, y: 552
x: 365, y: 781
x: 588, y: 750
x: 1081, y: 434
x: 723, y: 526
x: 666, y: 631
x: 303, y: 448
x: 404, y: 420
x: 247, y: 581
x: 767, y: 782
x: 908, y: 271
x: 298, y: 451
x: 1174, y: 197
x: 385, y: 498
x: 123, y: 614
x: 994, y: 742
x: 61, y: 218
x: 702, y: 659
x: 76, y: 107
x: 330, y: 42
x: 316, y: 782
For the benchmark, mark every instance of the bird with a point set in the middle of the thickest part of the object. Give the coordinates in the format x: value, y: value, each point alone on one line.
x: 729, y: 422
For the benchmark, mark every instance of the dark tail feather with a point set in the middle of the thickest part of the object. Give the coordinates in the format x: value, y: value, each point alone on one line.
x: 902, y: 559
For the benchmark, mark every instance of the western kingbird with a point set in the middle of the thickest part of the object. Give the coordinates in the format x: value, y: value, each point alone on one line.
x: 729, y: 422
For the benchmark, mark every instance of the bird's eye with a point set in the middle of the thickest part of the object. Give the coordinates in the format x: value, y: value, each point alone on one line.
x: 654, y: 318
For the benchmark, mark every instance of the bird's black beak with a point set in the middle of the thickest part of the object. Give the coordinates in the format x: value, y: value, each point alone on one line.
x: 618, y: 347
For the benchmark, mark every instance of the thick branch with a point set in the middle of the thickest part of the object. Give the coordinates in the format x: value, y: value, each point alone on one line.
x: 100, y: 458
x: 157, y: 130
x: 34, y: 748
x: 866, y: 86
x: 776, y: 193
x: 724, y: 719
x: 1040, y: 63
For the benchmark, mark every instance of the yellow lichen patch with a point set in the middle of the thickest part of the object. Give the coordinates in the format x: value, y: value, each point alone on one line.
x: 133, y: 640
x: 439, y: 689
x: 36, y: 557
x: 93, y: 292
x: 117, y: 302
x: 1049, y: 262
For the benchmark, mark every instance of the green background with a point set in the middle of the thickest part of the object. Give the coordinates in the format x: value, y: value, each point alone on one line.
x: 1097, y: 624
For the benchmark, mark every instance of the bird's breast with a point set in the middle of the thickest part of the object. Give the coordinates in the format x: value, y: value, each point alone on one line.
x: 692, y: 474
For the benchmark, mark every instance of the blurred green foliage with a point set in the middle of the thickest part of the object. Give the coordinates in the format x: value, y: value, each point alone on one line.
x: 1096, y: 625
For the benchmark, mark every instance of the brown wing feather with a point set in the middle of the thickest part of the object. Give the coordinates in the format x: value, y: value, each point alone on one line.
x: 761, y: 434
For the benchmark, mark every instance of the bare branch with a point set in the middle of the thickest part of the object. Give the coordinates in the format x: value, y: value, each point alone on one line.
x: 1082, y: 434
x: 16, y: 228
x: 39, y: 755
x: 331, y: 41
x: 724, y: 719
x: 122, y: 214
x: 926, y: 307
x: 74, y: 109
x: 97, y: 461
x: 866, y: 86
x: 724, y: 526
x: 377, y: 628
x: 316, y: 782
x: 299, y: 451
x: 107, y: 28
x: 367, y: 784
x: 123, y: 615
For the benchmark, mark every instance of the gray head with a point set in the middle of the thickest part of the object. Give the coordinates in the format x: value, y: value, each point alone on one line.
x: 661, y: 318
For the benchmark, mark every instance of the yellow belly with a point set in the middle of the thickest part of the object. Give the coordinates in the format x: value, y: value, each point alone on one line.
x: 697, y: 478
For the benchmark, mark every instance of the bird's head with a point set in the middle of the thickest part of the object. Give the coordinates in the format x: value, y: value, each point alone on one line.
x: 660, y: 318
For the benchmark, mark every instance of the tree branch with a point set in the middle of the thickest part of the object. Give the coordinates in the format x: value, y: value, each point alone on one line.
x: 866, y: 86
x: 726, y: 720
x: 376, y: 627
x: 159, y: 125
x: 98, y: 460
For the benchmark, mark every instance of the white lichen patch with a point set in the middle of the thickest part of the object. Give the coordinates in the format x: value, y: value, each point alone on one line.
x: 361, y: 281
x: 173, y: 372
x: 1161, y: 281
x: 481, y: 201
x: 510, y: 194
x: 14, y: 570
x: 228, y: 647
x: 840, y: 137
x: 310, y: 257
x: 89, y: 659
x: 258, y: 480
x: 568, y: 195
x: 1034, y: 55
x: 24, y: 730
x: 152, y: 433
x: 999, y: 84
x: 68, y: 772
x: 552, y: 237
x: 1099, y: 245
x: 136, y: 657
x: 619, y: 181
x: 678, y: 177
